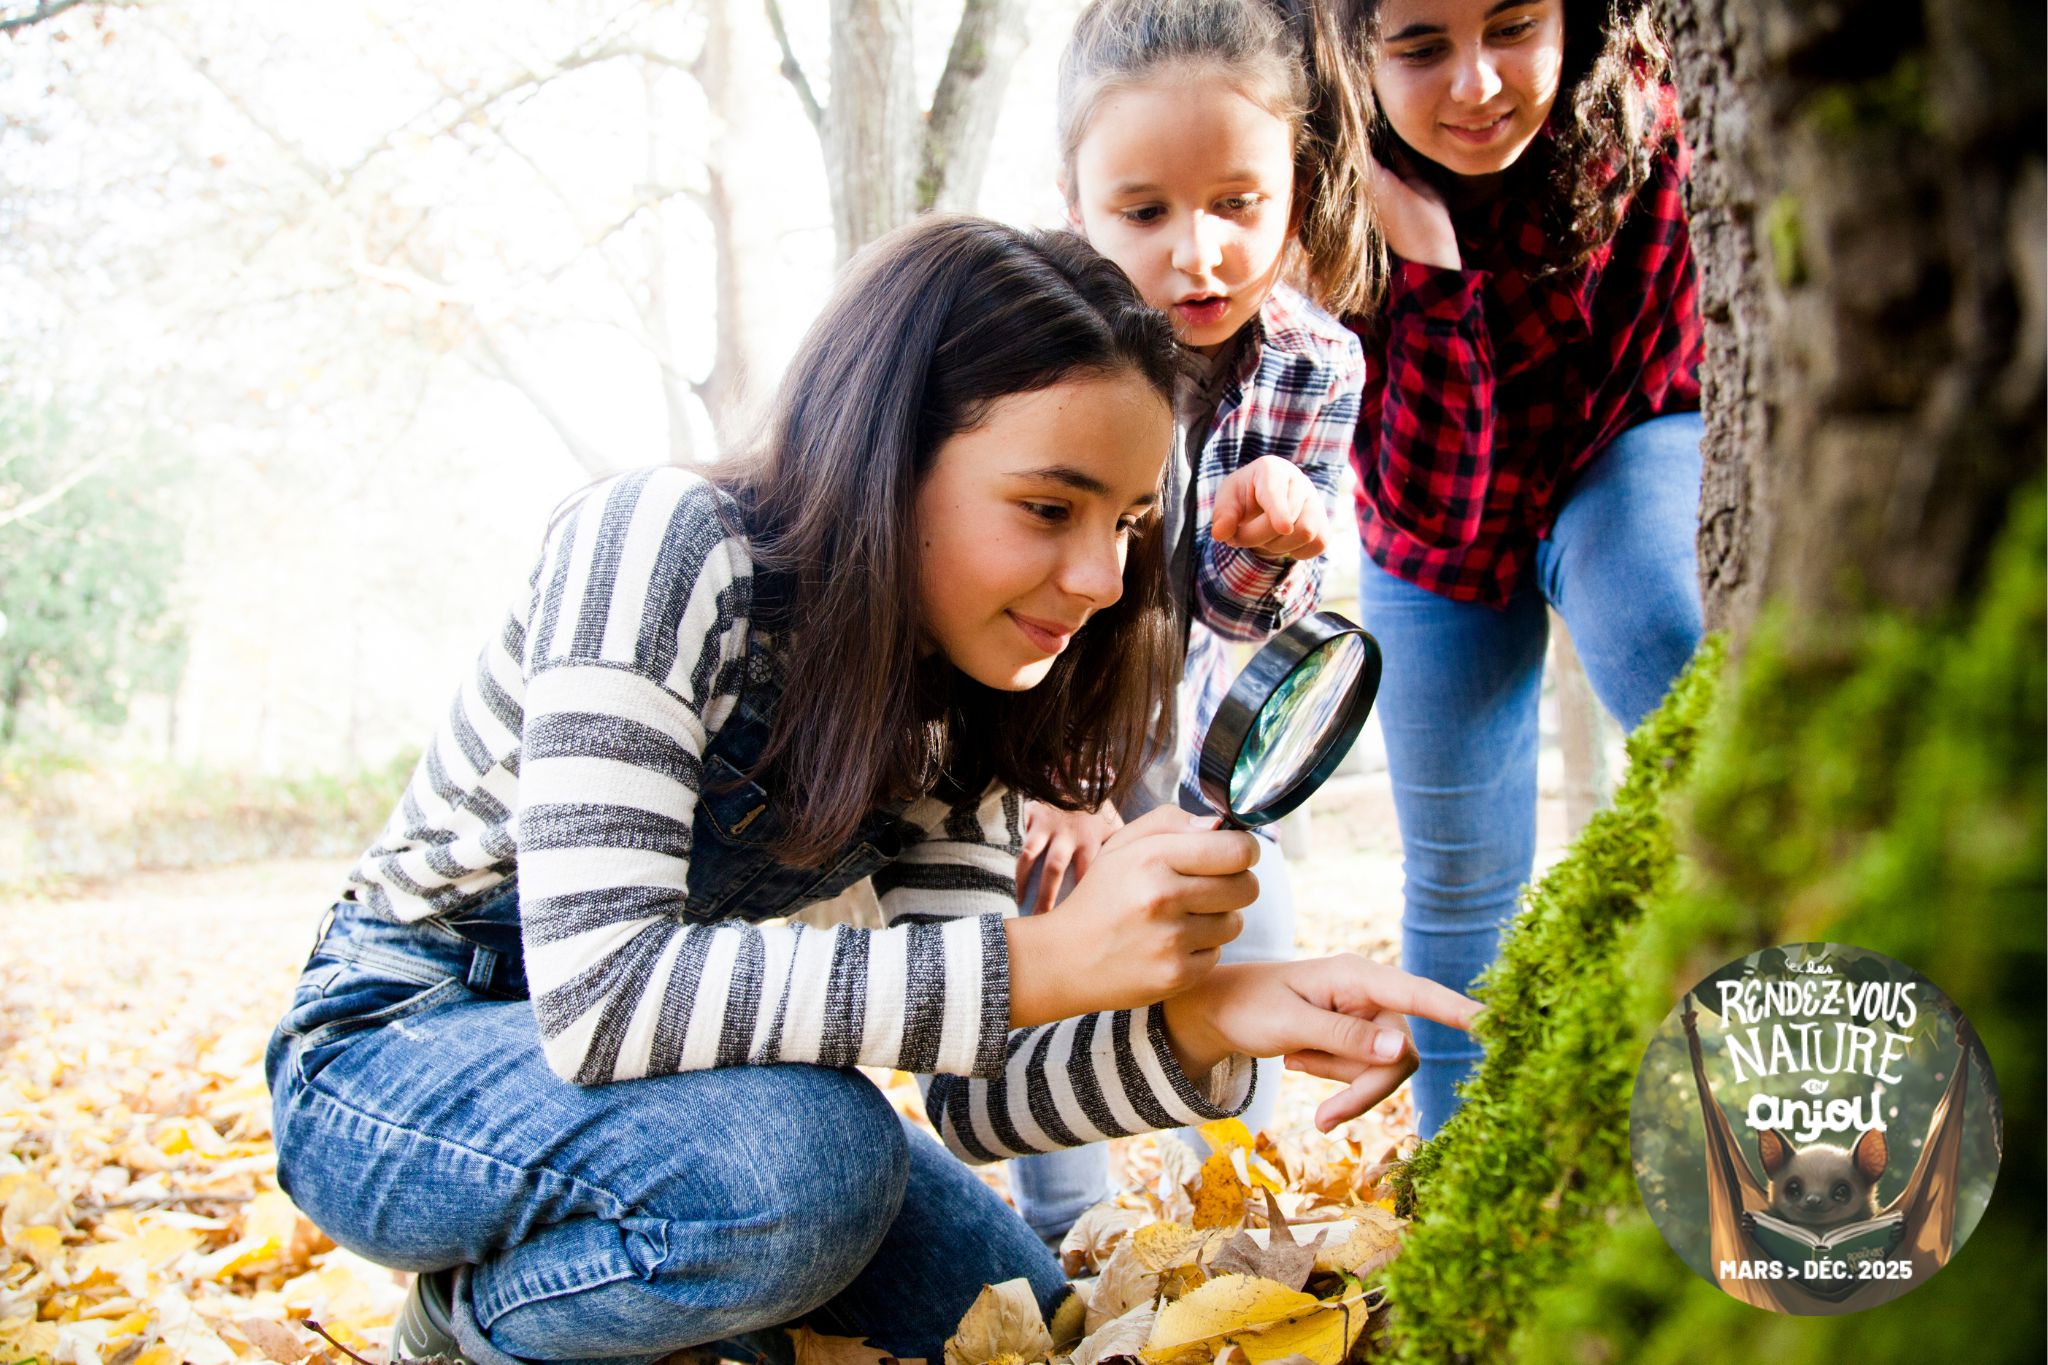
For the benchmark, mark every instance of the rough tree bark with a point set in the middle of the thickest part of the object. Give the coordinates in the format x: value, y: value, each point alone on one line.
x: 967, y: 102
x: 1867, y: 207
x: 885, y: 159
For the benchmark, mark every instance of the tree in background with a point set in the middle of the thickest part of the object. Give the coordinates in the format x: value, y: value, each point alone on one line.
x: 89, y: 555
x: 886, y: 159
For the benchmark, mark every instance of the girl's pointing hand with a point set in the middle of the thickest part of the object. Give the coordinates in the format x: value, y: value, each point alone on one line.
x: 1269, y: 506
x: 1342, y: 1018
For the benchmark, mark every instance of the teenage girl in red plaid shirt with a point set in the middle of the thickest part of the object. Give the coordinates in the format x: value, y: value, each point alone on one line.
x: 1529, y: 433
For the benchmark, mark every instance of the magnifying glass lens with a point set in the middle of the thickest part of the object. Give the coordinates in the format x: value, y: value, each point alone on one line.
x: 1297, y: 724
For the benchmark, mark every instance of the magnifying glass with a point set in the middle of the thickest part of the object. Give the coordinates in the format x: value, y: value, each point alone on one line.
x: 1289, y: 719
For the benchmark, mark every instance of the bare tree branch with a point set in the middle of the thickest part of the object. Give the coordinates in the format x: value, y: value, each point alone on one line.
x: 47, y: 9
x: 601, y: 46
x: 967, y: 102
x: 794, y: 70
x: 27, y: 508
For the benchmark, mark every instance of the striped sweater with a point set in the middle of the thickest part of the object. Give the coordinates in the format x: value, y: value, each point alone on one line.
x: 572, y: 757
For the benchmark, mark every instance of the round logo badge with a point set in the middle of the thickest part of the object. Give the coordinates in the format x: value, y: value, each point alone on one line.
x: 1815, y: 1128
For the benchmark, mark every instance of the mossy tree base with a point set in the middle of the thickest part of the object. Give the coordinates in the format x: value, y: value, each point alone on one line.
x: 1869, y: 780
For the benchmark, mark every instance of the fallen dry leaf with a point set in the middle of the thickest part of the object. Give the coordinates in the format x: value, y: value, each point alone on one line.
x: 1094, y: 1235
x: 1220, y: 1199
x: 1267, y: 1321
x: 1003, y: 1322
x: 1124, y: 1284
x: 1278, y: 1256
x: 276, y: 1341
x: 1125, y: 1336
x: 1160, y: 1247
x: 815, y: 1348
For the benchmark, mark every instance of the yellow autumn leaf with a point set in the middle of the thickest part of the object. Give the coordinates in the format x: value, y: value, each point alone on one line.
x: 143, y: 1254
x: 1094, y: 1235
x: 1069, y: 1320
x: 23, y: 1338
x: 179, y: 1325
x: 129, y: 1325
x: 31, y: 1202
x: 191, y: 1134
x: 1220, y: 1199
x: 1163, y: 1246
x: 267, y: 1230
x: 1226, y: 1133
x: 1363, y: 1246
x: 44, y: 1246
x: 1254, y: 1171
x: 1266, y: 1321
x: 1003, y: 1321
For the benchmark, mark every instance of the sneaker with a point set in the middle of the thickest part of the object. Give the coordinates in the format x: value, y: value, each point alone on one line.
x: 422, y: 1330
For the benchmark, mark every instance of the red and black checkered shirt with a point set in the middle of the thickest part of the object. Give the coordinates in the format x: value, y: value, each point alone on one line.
x: 1488, y: 388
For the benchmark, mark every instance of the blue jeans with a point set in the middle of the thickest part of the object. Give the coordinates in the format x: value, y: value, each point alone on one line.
x: 1055, y: 1188
x: 418, y: 1124
x: 1459, y: 694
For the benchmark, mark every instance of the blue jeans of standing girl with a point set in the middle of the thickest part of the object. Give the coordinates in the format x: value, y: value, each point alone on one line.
x: 1459, y: 694
x: 418, y: 1124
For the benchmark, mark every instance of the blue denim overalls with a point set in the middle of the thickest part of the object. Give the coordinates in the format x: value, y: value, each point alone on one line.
x: 367, y: 971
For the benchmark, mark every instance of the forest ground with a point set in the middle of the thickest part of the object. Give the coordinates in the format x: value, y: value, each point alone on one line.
x: 132, y: 1021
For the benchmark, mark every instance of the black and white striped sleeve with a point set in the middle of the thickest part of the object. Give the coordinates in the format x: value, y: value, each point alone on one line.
x: 634, y: 660
x: 1081, y: 1080
x: 1057, y: 1085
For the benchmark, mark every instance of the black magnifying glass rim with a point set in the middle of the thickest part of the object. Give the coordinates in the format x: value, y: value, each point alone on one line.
x: 1269, y: 668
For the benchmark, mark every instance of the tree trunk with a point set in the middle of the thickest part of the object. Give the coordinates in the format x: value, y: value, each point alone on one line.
x: 880, y: 168
x: 967, y: 103
x: 1867, y: 209
x: 723, y: 390
x: 870, y: 126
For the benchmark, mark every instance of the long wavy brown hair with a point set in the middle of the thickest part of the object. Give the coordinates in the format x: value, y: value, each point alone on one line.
x: 1609, y: 123
x: 930, y: 326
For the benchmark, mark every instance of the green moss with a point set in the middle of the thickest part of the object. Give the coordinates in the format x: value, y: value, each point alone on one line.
x: 1782, y: 232
x: 1508, y: 1194
x: 1870, y: 780
x: 1896, y: 101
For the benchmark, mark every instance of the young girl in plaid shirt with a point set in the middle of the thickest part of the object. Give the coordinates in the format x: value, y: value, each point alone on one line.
x: 1185, y: 155
x: 1529, y: 434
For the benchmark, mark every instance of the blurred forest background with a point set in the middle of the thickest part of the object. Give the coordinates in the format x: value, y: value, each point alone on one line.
x: 309, y: 314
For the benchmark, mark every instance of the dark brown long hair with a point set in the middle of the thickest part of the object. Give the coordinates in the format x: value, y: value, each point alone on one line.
x: 930, y: 326
x: 1606, y: 129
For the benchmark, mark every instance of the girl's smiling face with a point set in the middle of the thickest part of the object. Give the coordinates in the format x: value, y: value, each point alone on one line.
x: 1468, y: 83
x: 1188, y: 186
x: 1023, y: 522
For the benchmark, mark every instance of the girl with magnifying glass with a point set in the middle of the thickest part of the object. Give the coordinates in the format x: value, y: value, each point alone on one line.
x: 555, y: 1050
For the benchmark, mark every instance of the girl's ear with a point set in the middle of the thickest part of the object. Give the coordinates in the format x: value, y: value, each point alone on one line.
x: 1073, y: 209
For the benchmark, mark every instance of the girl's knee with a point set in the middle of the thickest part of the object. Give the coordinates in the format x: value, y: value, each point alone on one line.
x: 815, y: 1174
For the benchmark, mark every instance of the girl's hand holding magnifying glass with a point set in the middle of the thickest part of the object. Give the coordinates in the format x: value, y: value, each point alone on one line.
x: 1161, y: 900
